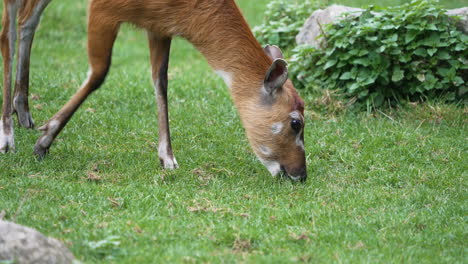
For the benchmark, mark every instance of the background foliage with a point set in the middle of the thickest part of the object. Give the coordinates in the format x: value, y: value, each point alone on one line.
x: 282, y: 22
x: 410, y: 52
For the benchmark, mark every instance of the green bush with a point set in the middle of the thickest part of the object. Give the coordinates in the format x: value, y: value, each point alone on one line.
x: 411, y: 52
x: 283, y: 21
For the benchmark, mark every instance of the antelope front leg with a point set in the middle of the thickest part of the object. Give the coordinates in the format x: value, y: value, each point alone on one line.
x: 159, y: 52
x: 7, y: 43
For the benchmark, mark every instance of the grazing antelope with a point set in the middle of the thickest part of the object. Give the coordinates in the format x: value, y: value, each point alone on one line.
x: 270, y: 108
x: 29, y: 13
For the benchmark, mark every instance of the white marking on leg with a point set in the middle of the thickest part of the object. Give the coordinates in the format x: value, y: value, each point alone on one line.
x: 50, y: 130
x: 227, y: 77
x: 88, y: 77
x: 7, y: 141
x: 53, y: 125
x: 276, y: 128
x: 156, y: 85
x: 169, y: 161
x: 273, y: 166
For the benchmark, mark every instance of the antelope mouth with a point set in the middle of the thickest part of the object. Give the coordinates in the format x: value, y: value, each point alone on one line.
x: 285, y: 175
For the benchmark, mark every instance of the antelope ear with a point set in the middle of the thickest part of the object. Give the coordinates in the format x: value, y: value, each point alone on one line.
x: 276, y: 76
x: 273, y: 52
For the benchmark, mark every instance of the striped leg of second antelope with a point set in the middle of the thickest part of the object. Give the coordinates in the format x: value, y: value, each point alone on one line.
x: 7, y: 45
x: 28, y: 23
x: 159, y: 52
x: 101, y: 38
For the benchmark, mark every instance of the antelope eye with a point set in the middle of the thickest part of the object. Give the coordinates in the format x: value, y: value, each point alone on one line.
x: 296, y: 125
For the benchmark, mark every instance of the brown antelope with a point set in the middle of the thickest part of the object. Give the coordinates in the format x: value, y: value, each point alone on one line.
x: 269, y: 106
x: 29, y: 13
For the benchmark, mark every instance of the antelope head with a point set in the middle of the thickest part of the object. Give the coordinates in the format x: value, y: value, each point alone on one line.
x: 275, y: 122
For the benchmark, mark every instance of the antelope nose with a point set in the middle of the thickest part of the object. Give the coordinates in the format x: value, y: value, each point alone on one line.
x: 299, y: 174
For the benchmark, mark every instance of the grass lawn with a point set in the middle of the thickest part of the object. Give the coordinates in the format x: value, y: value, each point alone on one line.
x: 387, y: 187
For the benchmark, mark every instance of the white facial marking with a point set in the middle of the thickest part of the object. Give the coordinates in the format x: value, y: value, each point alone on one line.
x: 273, y: 166
x: 7, y: 141
x: 265, y: 150
x: 276, y: 128
x: 227, y: 77
x: 295, y: 115
x: 299, y: 141
x: 169, y: 161
x: 295, y: 178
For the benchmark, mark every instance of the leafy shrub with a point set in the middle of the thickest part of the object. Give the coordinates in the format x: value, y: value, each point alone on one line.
x: 413, y: 52
x: 283, y: 21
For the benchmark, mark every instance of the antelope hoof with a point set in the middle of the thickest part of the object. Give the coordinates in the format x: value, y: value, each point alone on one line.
x: 7, y: 140
x: 169, y: 163
x: 42, y: 145
x: 24, y: 116
x: 7, y: 143
x: 25, y: 120
x: 45, y: 141
x: 40, y: 152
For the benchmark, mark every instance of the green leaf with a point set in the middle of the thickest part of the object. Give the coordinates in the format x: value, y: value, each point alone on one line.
x: 346, y: 76
x: 353, y: 87
x: 431, y: 51
x: 329, y: 64
x: 393, y: 38
x: 457, y: 81
x: 421, y: 77
x: 432, y: 26
x: 362, y: 61
x: 363, y: 94
x: 443, y: 55
x: 420, y: 52
x: 374, y: 38
x: 460, y: 47
x: 398, y: 74
x: 411, y: 35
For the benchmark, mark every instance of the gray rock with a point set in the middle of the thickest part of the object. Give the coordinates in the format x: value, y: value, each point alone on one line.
x: 312, y: 30
x: 462, y: 24
x: 314, y: 25
x: 24, y: 245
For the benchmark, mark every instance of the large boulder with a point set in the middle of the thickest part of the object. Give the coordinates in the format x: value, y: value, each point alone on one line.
x: 24, y: 245
x: 315, y: 24
x: 313, y: 27
x: 462, y: 13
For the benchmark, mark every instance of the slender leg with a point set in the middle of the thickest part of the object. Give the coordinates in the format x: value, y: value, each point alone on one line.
x: 159, y: 52
x: 27, y: 25
x: 101, y: 37
x: 7, y: 44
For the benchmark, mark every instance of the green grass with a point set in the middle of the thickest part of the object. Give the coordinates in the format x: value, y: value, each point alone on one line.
x: 364, y: 3
x: 383, y: 187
